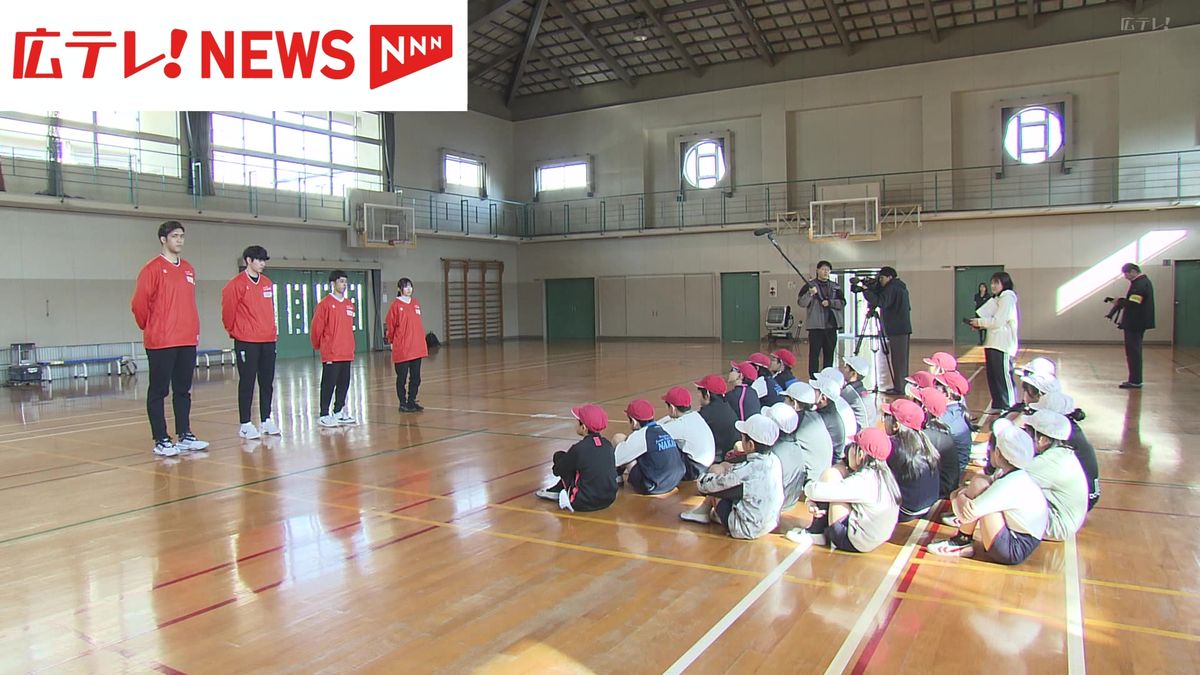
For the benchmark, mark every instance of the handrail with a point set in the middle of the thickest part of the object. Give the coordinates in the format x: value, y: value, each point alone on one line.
x: 114, y: 177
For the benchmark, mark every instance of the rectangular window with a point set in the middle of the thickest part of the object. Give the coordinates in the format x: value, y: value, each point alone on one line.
x: 141, y: 141
x: 322, y: 152
x: 551, y: 177
x: 463, y: 172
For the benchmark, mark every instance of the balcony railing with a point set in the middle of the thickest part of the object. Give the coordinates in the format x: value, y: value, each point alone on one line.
x: 1153, y: 177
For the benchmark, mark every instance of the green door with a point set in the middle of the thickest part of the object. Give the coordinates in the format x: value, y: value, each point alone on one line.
x: 294, y: 306
x: 966, y: 285
x: 740, y: 320
x: 570, y: 309
x: 1187, y: 312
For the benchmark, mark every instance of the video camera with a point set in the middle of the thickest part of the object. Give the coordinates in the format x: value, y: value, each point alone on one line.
x: 1114, y: 314
x: 860, y: 284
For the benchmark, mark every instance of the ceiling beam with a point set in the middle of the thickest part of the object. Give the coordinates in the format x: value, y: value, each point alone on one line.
x: 836, y: 19
x: 481, y: 13
x: 931, y: 20
x: 535, y: 24
x: 668, y: 34
x: 738, y: 7
x: 590, y: 37
x: 479, y: 69
x: 1031, y: 8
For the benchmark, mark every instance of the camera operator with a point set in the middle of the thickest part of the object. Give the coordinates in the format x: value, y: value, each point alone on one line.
x: 890, y: 295
x: 823, y: 301
x: 1136, y: 317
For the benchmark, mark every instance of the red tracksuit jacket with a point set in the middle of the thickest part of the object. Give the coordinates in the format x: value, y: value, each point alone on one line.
x: 164, y: 304
x: 405, y: 331
x: 248, y: 309
x: 332, y: 331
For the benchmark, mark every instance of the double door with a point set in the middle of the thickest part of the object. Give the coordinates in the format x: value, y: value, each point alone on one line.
x: 297, y: 293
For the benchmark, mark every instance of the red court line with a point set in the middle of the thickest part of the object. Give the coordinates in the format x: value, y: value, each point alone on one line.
x: 864, y: 659
x: 216, y: 567
x: 269, y: 586
x: 192, y: 615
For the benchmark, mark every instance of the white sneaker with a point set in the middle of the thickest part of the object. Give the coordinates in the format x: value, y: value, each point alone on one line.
x: 699, y: 515
x: 800, y: 534
x: 165, y: 448
x: 345, y: 418
x: 188, y: 442
x: 248, y: 431
x: 547, y: 493
x: 270, y: 428
x: 328, y: 421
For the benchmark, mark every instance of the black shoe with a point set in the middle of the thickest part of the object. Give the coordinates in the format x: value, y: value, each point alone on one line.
x: 893, y: 392
x: 406, y: 408
x: 1130, y: 385
x: 413, y: 406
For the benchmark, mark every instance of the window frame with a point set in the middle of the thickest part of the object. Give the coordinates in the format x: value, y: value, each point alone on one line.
x: 588, y: 189
x: 330, y: 169
x: 97, y: 131
x: 445, y: 186
x: 683, y: 143
x: 1003, y: 111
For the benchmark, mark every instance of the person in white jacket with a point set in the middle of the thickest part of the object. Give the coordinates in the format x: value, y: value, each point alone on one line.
x: 999, y: 317
x: 854, y: 506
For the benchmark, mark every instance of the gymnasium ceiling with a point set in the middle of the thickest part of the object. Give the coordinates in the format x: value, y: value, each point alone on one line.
x: 530, y: 58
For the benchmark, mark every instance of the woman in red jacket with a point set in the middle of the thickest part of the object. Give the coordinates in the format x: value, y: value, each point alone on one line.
x: 332, y: 334
x: 406, y: 333
x: 248, y: 312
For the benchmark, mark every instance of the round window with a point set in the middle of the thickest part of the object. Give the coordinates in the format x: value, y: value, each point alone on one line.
x: 704, y: 164
x: 1033, y: 135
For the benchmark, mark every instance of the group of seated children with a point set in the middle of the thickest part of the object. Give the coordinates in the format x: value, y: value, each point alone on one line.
x: 762, y: 440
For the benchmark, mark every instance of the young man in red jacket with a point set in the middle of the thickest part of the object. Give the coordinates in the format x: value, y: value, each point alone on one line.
x: 164, y: 307
x: 332, y: 334
x: 248, y: 312
x: 405, y: 331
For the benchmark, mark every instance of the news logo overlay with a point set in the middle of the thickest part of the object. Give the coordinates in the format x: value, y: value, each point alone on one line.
x: 401, y: 56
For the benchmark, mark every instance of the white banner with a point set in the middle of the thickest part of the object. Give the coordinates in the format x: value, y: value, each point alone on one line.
x: 234, y: 55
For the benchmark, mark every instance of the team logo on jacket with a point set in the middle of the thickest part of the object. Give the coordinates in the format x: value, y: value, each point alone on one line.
x: 190, y: 279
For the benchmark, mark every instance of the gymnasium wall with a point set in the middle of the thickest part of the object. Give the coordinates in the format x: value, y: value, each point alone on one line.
x: 1131, y: 94
x: 69, y: 277
x: 1042, y: 253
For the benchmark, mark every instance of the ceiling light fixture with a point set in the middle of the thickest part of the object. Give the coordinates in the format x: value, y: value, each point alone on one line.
x: 641, y: 32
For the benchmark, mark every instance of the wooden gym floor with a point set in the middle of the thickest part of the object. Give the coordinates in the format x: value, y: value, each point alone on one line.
x: 413, y: 543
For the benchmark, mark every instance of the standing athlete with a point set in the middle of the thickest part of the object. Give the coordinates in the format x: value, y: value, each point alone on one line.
x: 405, y: 331
x: 248, y: 312
x: 164, y: 307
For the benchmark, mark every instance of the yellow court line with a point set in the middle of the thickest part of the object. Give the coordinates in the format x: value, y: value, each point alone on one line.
x: 1139, y: 587
x: 984, y: 567
x: 1175, y: 635
x: 967, y: 604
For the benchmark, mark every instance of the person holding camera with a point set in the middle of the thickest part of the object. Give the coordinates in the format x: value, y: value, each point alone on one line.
x: 823, y: 301
x: 1134, y: 315
x: 889, y: 295
x: 999, y: 317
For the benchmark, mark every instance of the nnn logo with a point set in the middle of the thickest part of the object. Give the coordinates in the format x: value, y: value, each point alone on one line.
x: 399, y: 51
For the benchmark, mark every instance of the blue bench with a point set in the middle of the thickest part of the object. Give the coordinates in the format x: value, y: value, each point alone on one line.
x: 79, y: 367
x: 220, y: 354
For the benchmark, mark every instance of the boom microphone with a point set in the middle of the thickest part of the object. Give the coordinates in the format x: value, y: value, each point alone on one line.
x: 764, y: 230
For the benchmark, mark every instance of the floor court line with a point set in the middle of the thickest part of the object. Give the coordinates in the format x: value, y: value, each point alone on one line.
x: 1076, y: 663
x: 882, y: 593
x: 734, y: 613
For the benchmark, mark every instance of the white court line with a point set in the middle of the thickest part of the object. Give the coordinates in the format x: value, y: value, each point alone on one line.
x: 1076, y: 664
x: 883, y: 592
x: 733, y: 614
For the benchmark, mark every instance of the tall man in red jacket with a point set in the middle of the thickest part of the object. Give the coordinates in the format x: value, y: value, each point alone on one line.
x: 332, y: 334
x: 248, y: 312
x: 405, y: 331
x: 164, y: 307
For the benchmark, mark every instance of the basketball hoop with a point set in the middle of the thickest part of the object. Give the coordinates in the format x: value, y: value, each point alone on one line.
x: 842, y: 235
x: 393, y: 242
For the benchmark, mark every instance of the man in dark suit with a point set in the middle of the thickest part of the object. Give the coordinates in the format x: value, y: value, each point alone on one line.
x: 1137, y: 317
x: 890, y: 295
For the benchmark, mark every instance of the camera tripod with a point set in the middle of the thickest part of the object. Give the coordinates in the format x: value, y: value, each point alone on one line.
x: 872, y: 329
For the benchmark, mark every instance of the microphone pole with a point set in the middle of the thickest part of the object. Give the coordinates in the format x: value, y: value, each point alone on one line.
x: 770, y: 233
